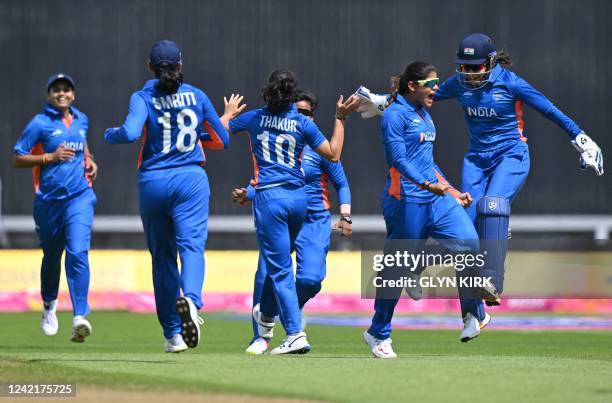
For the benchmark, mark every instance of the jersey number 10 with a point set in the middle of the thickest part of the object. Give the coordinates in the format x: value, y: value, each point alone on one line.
x: 187, y: 135
x: 280, y: 140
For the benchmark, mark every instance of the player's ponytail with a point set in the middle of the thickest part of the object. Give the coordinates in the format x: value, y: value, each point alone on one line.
x: 281, y: 91
x: 414, y: 72
x: 502, y: 58
x: 169, y: 78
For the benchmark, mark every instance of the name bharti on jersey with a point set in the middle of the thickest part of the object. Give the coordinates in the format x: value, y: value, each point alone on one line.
x: 178, y: 100
x: 278, y: 123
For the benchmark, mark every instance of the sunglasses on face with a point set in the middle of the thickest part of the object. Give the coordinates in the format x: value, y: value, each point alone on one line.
x: 306, y: 112
x: 430, y: 83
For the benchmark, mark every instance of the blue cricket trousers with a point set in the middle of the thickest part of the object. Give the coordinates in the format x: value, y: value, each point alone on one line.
x: 501, y: 172
x: 66, y: 224
x: 311, y: 247
x: 174, y: 212
x: 442, y: 219
x: 279, y: 213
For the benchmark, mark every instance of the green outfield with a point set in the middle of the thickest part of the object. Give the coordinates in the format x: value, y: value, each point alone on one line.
x: 126, y: 352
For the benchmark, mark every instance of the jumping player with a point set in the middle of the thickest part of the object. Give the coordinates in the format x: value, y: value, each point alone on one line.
x: 54, y: 144
x: 278, y: 134
x: 417, y: 201
x: 174, y: 120
x: 497, y: 162
x: 312, y: 243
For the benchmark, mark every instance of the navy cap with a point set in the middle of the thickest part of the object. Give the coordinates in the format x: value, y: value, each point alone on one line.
x: 475, y: 49
x: 58, y: 77
x: 165, y: 52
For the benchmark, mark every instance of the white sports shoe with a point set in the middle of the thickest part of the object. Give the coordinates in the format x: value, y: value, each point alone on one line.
x: 294, y: 344
x: 190, y: 321
x: 265, y: 329
x: 471, y: 326
x: 259, y: 346
x: 49, y: 323
x: 380, y: 348
x: 175, y: 344
x: 81, y: 328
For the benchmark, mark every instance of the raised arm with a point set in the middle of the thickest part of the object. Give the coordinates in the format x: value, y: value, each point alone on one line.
x: 132, y: 127
x: 331, y: 150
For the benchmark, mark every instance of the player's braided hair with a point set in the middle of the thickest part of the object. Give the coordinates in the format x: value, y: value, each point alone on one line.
x: 413, y: 72
x: 304, y: 95
x: 281, y: 91
x: 169, y: 78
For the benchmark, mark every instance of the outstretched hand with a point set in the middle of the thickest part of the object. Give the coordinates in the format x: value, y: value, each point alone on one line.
x: 232, y: 106
x: 345, y: 108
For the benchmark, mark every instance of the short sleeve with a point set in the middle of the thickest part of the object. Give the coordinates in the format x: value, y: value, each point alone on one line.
x: 28, y: 139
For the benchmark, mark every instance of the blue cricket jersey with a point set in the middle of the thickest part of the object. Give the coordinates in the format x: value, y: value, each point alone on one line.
x: 408, y: 134
x: 317, y: 172
x: 277, y: 143
x: 172, y: 128
x: 44, y: 134
x: 494, y: 112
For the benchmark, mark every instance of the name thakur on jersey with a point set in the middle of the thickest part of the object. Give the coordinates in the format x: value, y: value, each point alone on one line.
x: 178, y: 100
x: 278, y: 123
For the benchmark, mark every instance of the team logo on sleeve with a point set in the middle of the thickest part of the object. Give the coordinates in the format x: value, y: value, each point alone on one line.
x: 82, y: 132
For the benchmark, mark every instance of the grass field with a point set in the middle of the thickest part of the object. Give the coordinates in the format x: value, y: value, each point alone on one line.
x: 126, y: 352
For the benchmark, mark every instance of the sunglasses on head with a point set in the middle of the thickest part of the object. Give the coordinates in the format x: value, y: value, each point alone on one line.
x: 429, y: 83
x: 306, y: 112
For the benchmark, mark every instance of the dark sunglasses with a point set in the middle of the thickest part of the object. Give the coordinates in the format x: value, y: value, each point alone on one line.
x: 306, y: 112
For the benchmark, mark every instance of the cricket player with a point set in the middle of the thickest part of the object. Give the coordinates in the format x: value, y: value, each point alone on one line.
x: 312, y: 243
x: 278, y: 134
x: 54, y: 144
x: 174, y: 121
x: 417, y: 202
x: 497, y: 162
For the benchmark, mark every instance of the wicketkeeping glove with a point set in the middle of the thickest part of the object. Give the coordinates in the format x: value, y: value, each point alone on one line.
x: 371, y: 104
x: 590, y: 153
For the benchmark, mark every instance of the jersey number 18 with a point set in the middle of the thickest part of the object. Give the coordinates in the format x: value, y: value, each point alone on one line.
x: 187, y: 135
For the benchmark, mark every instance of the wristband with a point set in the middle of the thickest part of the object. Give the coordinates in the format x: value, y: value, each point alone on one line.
x: 44, y: 161
x: 340, y: 118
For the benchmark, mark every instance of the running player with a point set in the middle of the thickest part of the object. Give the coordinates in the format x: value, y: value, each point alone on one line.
x: 278, y: 134
x: 54, y: 144
x: 312, y: 243
x: 174, y: 120
x: 497, y: 162
x: 417, y: 202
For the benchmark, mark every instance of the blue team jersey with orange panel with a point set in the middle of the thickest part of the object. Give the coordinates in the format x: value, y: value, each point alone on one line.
x: 173, y: 128
x: 277, y: 144
x: 44, y: 134
x: 494, y: 112
x: 318, y: 171
x: 408, y: 134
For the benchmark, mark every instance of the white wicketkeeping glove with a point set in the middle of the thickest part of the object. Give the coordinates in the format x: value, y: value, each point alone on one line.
x: 371, y: 104
x: 590, y: 153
